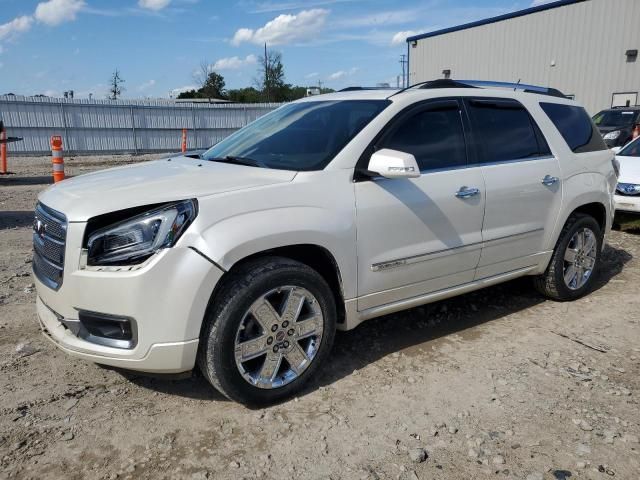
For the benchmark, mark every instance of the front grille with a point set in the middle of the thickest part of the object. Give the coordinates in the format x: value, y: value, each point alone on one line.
x: 49, y: 236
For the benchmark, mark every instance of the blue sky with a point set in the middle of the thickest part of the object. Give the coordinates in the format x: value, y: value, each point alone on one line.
x: 55, y: 45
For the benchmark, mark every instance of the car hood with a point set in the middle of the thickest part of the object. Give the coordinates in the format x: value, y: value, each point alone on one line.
x: 629, y: 169
x: 177, y: 178
x: 603, y: 130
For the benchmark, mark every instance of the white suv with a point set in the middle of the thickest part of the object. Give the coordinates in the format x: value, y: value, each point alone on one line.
x: 326, y: 212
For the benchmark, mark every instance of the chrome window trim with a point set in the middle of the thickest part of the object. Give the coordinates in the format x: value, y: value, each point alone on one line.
x: 475, y: 165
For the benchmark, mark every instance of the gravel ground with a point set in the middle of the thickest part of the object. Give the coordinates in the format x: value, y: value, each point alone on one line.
x: 499, y: 383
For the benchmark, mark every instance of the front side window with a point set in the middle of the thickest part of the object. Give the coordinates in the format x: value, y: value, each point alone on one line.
x: 434, y: 136
x: 298, y: 136
x: 504, y: 131
x: 575, y: 126
x: 631, y: 150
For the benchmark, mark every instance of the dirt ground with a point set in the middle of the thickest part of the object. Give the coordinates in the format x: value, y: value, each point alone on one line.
x: 499, y: 383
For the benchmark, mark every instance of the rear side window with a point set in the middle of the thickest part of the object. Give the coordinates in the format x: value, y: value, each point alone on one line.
x: 504, y: 131
x: 575, y: 126
x: 434, y: 136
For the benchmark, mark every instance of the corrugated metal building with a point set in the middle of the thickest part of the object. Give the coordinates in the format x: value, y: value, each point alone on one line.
x: 585, y: 48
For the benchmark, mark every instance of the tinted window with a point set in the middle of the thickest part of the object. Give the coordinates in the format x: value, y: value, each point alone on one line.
x: 631, y: 150
x: 504, y: 131
x: 575, y: 126
x: 298, y: 136
x: 615, y: 118
x: 434, y: 136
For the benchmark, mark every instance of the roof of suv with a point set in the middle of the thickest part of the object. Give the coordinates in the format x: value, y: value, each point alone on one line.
x: 443, y: 87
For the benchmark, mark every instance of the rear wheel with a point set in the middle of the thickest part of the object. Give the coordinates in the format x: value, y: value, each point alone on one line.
x: 269, y: 328
x: 575, y: 260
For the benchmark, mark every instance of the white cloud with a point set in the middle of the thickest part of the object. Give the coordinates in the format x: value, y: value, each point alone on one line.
x: 537, y: 3
x: 146, y: 85
x: 381, y: 19
x: 271, y: 6
x: 15, y: 26
x: 311, y: 75
x: 285, y: 29
x: 55, y: 12
x: 340, y: 74
x: 234, y: 63
x: 401, y: 37
x: 177, y: 91
x: 1, y: 49
x: 154, y: 5
x: 1, y: 64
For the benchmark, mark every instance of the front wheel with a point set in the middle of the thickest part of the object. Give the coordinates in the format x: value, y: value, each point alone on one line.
x: 269, y: 328
x: 575, y: 261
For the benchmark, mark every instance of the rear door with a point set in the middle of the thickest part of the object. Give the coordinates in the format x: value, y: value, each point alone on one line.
x: 522, y: 181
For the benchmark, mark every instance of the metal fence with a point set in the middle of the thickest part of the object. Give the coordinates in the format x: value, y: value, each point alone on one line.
x: 120, y: 126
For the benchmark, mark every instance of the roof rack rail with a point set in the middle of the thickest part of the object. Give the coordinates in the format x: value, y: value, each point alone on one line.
x: 450, y: 83
x: 515, y: 86
x: 438, y: 83
x: 354, y: 89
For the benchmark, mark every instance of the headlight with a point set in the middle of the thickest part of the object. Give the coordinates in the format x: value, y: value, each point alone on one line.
x: 612, y: 135
x: 134, y: 240
x: 628, y: 188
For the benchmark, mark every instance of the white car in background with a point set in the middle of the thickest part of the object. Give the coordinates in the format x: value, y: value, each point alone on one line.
x: 627, y: 197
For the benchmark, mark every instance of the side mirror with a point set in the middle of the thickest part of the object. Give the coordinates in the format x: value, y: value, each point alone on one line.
x: 616, y: 150
x: 394, y: 164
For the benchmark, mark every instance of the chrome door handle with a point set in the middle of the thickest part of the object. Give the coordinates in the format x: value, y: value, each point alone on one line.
x: 549, y: 180
x: 466, y: 192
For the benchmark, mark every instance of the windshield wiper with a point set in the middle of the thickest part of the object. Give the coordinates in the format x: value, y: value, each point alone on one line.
x: 238, y: 161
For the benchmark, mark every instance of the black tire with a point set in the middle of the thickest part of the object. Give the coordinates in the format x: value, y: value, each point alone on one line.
x: 238, y: 292
x: 552, y: 284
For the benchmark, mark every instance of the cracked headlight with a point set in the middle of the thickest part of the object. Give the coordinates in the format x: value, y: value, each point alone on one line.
x: 133, y: 240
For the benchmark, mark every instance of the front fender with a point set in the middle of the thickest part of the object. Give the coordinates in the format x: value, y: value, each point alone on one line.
x: 320, y: 212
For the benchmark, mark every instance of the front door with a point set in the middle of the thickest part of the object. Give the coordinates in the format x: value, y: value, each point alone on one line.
x: 420, y: 235
x: 522, y: 180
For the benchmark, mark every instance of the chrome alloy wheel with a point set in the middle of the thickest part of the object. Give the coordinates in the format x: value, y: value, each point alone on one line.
x: 278, y: 337
x: 580, y: 258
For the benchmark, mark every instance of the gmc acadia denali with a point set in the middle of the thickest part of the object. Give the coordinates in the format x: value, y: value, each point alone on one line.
x: 322, y: 214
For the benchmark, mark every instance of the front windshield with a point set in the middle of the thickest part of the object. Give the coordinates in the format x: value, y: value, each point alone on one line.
x: 615, y: 118
x: 631, y: 150
x: 298, y: 136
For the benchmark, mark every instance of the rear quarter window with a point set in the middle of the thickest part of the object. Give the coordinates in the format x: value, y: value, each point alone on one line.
x: 575, y: 126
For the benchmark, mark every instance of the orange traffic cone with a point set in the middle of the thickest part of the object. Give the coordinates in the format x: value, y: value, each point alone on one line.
x: 56, y: 158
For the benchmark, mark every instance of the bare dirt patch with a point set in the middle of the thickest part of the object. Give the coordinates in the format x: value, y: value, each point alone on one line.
x: 499, y: 383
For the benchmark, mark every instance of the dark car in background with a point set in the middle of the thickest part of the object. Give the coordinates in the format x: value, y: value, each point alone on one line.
x: 617, y: 124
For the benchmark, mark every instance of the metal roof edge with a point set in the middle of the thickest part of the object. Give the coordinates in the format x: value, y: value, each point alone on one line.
x: 499, y: 18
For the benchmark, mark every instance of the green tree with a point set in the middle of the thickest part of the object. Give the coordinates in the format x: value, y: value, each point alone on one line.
x: 214, y: 86
x: 245, y: 95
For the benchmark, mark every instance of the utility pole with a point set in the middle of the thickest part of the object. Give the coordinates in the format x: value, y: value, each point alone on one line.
x: 266, y: 71
x: 320, y: 85
x: 403, y: 63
